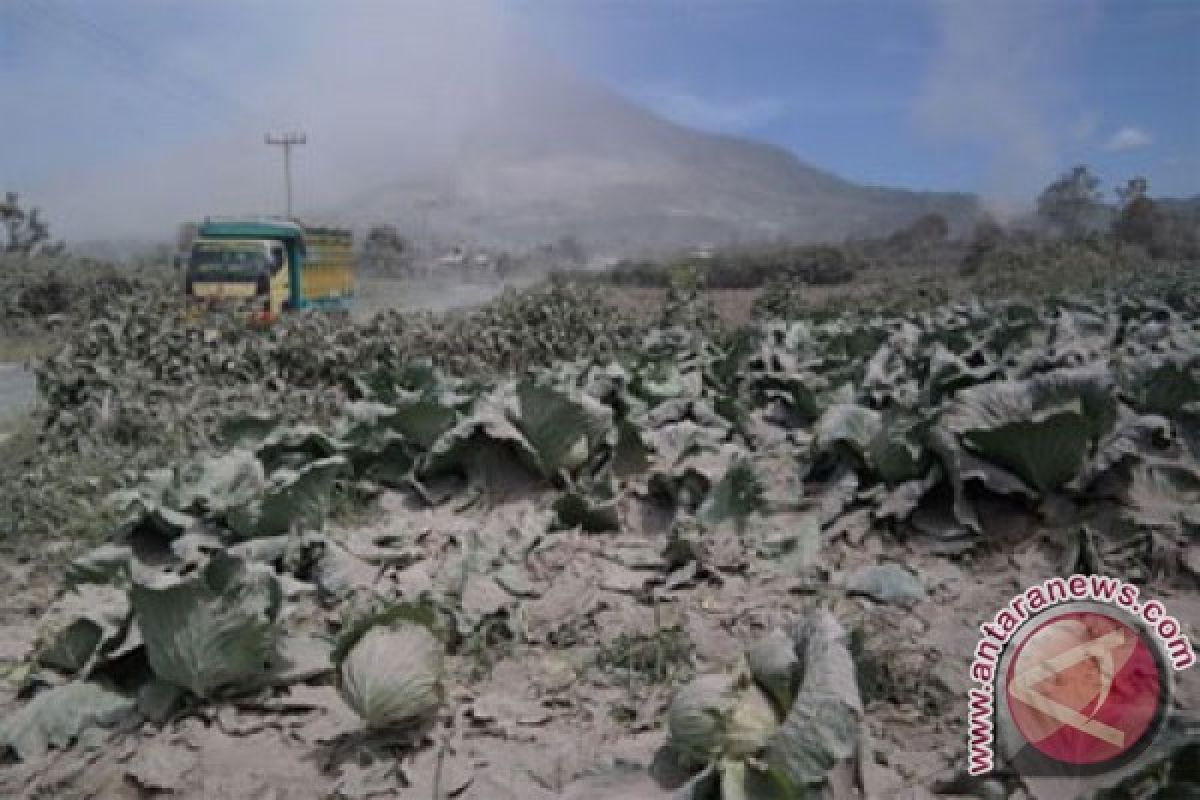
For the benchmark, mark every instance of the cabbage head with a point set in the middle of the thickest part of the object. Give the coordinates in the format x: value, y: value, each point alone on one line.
x: 392, y: 676
x: 720, y: 715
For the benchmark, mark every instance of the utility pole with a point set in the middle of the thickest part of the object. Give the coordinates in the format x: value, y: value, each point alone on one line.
x: 287, y: 141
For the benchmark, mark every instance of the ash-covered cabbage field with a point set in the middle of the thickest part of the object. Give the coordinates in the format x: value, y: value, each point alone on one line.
x: 544, y: 549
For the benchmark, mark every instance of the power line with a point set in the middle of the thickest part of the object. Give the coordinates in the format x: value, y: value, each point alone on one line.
x: 134, y: 77
x: 287, y: 141
x: 152, y: 76
x: 198, y: 88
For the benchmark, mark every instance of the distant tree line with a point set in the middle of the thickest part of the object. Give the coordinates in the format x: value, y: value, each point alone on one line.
x: 1071, y: 212
x: 1073, y: 207
x: 738, y: 268
x: 1071, y: 223
x: 24, y: 232
x: 924, y: 241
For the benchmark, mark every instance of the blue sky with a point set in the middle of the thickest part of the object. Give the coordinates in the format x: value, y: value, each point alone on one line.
x: 975, y: 95
x: 860, y: 87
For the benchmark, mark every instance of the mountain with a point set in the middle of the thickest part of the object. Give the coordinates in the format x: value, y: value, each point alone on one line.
x: 573, y: 158
x: 1186, y: 207
x: 457, y: 132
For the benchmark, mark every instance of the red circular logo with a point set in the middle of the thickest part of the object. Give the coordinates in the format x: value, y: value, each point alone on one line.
x: 1085, y: 688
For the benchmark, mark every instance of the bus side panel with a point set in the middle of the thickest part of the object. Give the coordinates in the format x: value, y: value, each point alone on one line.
x: 328, y: 270
x: 296, y: 273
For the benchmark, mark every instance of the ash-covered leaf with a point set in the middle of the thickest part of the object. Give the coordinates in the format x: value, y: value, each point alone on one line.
x: 421, y: 421
x: 213, y: 484
x: 1045, y: 447
x: 592, y: 506
x: 106, y: 564
x: 55, y: 717
x: 735, y: 497
x: 886, y: 583
x: 295, y: 447
x: 1163, y: 384
x: 823, y: 725
x: 849, y: 426
x: 291, y: 497
x: 217, y: 628
x: 896, y: 452
x: 81, y: 625
x: 563, y: 430
x: 774, y: 665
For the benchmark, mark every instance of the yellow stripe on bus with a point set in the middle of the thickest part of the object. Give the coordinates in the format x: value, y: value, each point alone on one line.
x: 231, y: 290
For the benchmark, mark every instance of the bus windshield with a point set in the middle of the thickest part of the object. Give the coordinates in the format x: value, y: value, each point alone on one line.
x: 225, y: 262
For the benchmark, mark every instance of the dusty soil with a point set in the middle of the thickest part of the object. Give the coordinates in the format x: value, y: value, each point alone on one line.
x: 546, y: 714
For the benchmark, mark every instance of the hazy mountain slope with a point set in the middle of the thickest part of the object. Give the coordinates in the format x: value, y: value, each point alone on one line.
x: 1188, y: 207
x: 472, y: 135
x: 562, y: 156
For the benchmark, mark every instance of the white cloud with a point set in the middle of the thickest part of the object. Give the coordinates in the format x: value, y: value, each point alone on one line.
x: 730, y: 116
x: 1128, y: 138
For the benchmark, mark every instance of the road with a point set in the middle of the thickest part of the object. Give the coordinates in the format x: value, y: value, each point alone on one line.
x: 378, y: 294
x: 17, y: 390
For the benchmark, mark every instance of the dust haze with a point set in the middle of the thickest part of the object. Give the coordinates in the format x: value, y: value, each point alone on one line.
x: 448, y: 120
x: 385, y: 88
x: 994, y: 81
